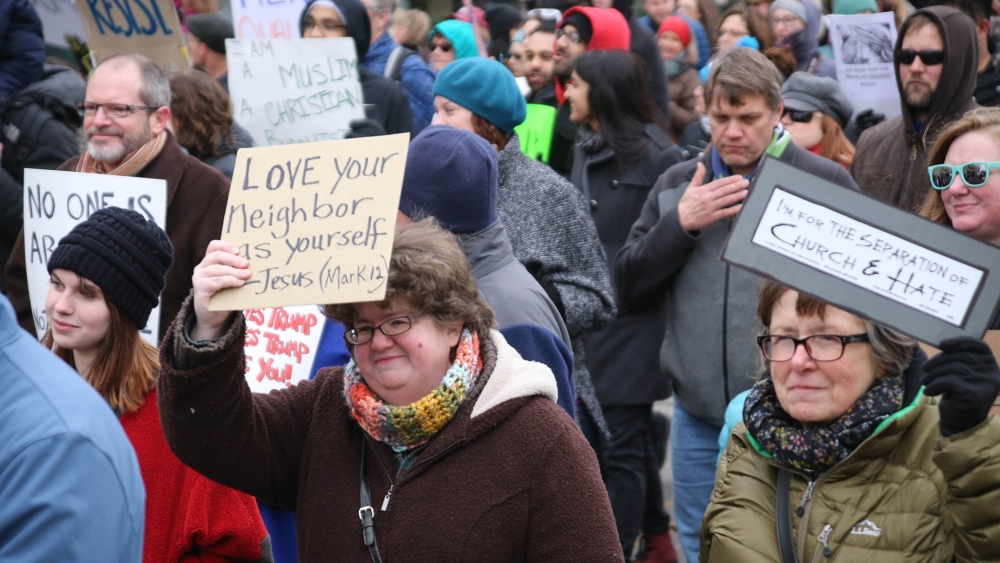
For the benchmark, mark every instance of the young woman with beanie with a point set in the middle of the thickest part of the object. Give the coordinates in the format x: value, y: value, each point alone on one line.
x: 547, y: 219
x: 816, y: 112
x: 621, y: 153
x: 677, y: 51
x: 106, y: 277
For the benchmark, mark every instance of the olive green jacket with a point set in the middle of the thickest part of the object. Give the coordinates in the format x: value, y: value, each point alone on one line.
x: 904, y: 495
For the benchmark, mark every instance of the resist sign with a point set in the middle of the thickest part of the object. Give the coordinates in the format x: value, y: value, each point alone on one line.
x: 55, y: 202
x: 316, y: 221
x: 149, y: 27
x: 294, y: 90
x: 867, y: 257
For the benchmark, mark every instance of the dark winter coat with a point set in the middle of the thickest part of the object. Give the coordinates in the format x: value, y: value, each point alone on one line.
x: 709, y: 350
x: 683, y: 101
x: 643, y: 43
x: 22, y: 46
x: 196, y: 206
x: 225, y: 160
x: 385, y: 101
x: 550, y: 229
x: 623, y: 358
x: 509, y: 479
x: 891, y: 160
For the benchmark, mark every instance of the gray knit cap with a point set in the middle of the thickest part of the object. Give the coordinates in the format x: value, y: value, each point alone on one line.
x: 805, y: 92
x: 793, y: 6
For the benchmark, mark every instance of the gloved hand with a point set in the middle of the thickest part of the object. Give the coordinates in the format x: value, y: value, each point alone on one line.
x: 866, y: 119
x: 364, y: 128
x: 967, y: 377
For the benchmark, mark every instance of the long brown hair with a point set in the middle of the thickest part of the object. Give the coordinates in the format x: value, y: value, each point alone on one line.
x: 126, y: 366
x: 835, y: 145
x: 202, y: 112
x: 980, y: 119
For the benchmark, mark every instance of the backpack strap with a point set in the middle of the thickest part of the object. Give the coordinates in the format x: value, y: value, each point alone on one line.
x: 394, y: 66
x: 786, y: 546
x: 22, y: 143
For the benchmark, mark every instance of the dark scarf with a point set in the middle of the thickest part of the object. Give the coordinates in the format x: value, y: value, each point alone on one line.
x: 813, y: 451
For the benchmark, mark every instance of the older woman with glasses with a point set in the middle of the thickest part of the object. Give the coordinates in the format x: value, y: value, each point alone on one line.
x: 436, y: 442
x: 841, y: 455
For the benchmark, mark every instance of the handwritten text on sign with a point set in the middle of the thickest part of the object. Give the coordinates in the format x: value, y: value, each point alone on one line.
x: 55, y: 202
x: 267, y: 19
x: 294, y: 90
x: 280, y: 346
x: 316, y: 221
x: 867, y: 257
x: 150, y: 27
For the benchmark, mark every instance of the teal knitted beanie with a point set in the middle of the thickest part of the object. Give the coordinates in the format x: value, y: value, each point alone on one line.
x: 486, y: 88
x: 851, y: 7
x: 461, y: 37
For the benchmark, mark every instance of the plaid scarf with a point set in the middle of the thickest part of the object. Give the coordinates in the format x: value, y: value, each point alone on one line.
x: 132, y: 164
x: 813, y: 451
x: 410, y: 426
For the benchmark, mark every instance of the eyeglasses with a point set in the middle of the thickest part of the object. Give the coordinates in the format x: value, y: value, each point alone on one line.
x: 790, y: 20
x: 573, y: 36
x: 327, y: 25
x: 391, y: 327
x: 111, y: 109
x: 800, y: 116
x: 444, y: 47
x: 974, y: 174
x: 547, y: 14
x: 929, y: 57
x: 819, y: 347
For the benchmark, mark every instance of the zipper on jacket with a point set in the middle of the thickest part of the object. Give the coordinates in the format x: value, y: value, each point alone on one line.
x: 823, y: 540
x: 804, y: 519
x: 725, y: 346
x: 385, y: 502
x: 913, y: 152
x: 805, y: 498
x: 392, y: 482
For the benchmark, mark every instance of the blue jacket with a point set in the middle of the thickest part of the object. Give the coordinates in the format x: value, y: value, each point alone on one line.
x: 22, y: 47
x: 70, y: 487
x: 416, y: 78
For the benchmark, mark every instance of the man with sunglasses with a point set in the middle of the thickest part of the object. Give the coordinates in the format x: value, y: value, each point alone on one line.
x: 126, y: 114
x: 936, y: 59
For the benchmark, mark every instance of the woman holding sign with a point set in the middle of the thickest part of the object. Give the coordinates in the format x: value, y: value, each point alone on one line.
x: 843, y: 454
x: 437, y: 442
x: 106, y: 277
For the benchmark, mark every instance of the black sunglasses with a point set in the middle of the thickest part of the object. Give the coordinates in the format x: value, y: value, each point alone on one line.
x: 799, y: 116
x: 929, y: 57
x: 445, y: 47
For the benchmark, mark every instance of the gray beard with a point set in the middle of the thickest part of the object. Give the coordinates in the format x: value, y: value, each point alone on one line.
x: 110, y: 154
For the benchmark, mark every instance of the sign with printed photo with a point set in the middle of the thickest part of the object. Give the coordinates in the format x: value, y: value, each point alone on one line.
x: 862, y: 47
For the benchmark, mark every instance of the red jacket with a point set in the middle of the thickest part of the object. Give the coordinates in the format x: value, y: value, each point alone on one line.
x: 611, y: 32
x: 189, y: 518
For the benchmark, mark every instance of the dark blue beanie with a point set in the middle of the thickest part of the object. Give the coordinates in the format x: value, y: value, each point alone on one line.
x: 486, y: 88
x: 451, y: 175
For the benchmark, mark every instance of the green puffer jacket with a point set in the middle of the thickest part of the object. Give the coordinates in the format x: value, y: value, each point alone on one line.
x: 904, y: 495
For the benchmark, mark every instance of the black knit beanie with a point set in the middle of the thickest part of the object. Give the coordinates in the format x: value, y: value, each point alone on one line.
x: 123, y: 254
x: 582, y: 24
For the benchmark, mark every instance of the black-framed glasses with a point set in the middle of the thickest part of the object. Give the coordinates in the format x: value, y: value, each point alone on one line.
x: 799, y: 116
x: 573, y: 36
x: 391, y: 327
x: 929, y: 57
x: 974, y: 174
x: 820, y: 347
x: 112, y: 109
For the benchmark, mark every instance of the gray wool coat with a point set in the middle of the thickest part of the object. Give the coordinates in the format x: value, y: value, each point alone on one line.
x: 553, y: 235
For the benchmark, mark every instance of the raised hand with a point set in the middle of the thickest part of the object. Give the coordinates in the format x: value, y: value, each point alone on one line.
x: 967, y: 377
x: 222, y: 267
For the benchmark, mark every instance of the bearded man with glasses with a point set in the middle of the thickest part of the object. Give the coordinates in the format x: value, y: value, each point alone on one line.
x: 936, y: 58
x: 126, y: 121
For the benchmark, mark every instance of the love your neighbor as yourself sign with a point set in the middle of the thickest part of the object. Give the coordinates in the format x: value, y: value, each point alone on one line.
x: 315, y: 220
x: 884, y: 264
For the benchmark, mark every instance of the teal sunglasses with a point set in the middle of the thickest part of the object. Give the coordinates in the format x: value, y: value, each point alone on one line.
x: 974, y: 174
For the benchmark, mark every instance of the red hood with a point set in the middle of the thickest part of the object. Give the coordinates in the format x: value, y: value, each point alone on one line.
x: 611, y: 32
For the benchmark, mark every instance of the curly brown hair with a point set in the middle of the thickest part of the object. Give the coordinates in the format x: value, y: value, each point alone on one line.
x: 429, y: 271
x: 201, y: 112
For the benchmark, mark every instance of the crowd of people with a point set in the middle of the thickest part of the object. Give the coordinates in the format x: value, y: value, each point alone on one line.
x: 573, y: 174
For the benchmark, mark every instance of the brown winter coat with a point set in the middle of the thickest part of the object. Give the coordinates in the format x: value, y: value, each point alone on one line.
x: 682, y: 101
x: 510, y: 478
x: 196, y: 206
x: 891, y: 160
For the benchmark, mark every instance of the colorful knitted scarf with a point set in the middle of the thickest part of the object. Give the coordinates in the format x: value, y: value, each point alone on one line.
x: 813, y: 451
x: 133, y: 163
x: 407, y: 427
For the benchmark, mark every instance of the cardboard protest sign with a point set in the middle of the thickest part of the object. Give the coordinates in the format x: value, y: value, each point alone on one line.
x: 281, y: 345
x: 882, y: 263
x: 55, y: 202
x: 267, y: 19
x: 862, y: 47
x: 288, y: 91
x: 316, y: 221
x: 60, y: 19
x: 148, y: 27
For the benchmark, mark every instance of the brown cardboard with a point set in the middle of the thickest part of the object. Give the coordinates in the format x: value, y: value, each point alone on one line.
x: 149, y: 27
